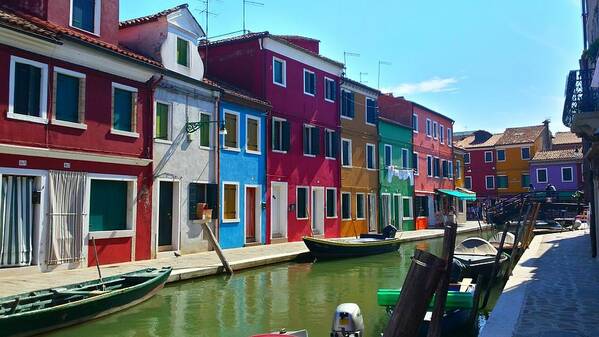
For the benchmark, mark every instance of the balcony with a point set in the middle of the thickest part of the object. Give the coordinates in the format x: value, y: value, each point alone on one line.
x: 580, y: 97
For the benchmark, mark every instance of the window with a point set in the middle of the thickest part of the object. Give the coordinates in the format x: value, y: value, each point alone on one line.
x: 205, y: 131
x: 69, y: 98
x: 415, y: 123
x: 124, y: 110
x: 370, y: 157
x: 347, y: 104
x: 360, y: 206
x: 346, y: 154
x: 162, y: 121
x: 182, y: 52
x: 252, y: 134
x: 85, y: 15
x: 415, y: 162
x: 525, y: 152
x: 467, y: 158
x: 442, y: 134
x: 436, y: 167
x: 309, y: 82
x: 28, y: 90
x: 468, y: 182
x: 405, y: 160
x: 429, y: 166
x: 230, y: 202
x: 500, y: 155
x: 525, y: 180
x: 109, y: 201
x: 488, y: 156
x: 331, y: 203
x: 444, y: 169
x: 202, y: 193
x: 450, y: 169
x: 435, y: 130
x: 279, y: 72
x: 330, y: 90
x: 541, y: 175
x: 490, y: 182
x: 346, y: 206
x: 311, y: 140
x: 407, y: 208
x: 370, y: 111
x: 428, y: 128
x: 449, y: 137
x: 232, y: 127
x: 567, y: 176
x: 388, y: 155
x: 280, y: 135
x: 330, y: 144
x: 458, y: 169
x: 502, y: 182
x: 302, y: 203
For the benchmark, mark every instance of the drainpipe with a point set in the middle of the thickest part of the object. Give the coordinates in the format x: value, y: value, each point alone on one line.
x: 217, y: 103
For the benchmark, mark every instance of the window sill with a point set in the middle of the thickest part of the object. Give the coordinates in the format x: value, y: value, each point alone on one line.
x: 163, y: 141
x: 371, y: 169
x: 347, y: 219
x: 96, y: 34
x: 208, y: 148
x: 27, y: 118
x: 301, y: 218
x: 282, y: 85
x: 232, y: 149
x: 329, y: 100
x: 124, y: 133
x: 369, y: 124
x: 279, y: 151
x: 348, y: 118
x: 230, y: 220
x: 309, y: 155
x: 58, y: 122
x: 125, y: 233
x: 415, y: 131
x: 330, y: 158
x: 361, y: 219
x: 331, y: 217
x: 309, y: 94
x: 346, y: 166
x: 258, y: 153
x: 409, y: 218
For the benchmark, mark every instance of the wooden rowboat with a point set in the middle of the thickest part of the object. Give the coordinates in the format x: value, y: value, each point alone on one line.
x: 345, y: 248
x: 49, y: 309
x: 476, y: 256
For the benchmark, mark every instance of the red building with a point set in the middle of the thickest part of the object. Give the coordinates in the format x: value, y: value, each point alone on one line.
x: 480, y: 163
x: 433, y: 149
x: 303, y: 174
x: 75, y: 136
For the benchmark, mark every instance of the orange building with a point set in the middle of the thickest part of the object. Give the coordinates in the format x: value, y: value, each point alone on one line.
x: 359, y: 167
x: 513, y: 152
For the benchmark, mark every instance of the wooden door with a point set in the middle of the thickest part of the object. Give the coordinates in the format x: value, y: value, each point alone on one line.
x: 250, y: 214
x: 165, y: 214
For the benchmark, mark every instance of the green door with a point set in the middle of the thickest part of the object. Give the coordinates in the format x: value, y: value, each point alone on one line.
x: 165, y: 214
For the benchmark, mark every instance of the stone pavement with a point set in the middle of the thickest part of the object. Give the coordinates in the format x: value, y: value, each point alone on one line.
x: 554, y: 291
x: 19, y: 280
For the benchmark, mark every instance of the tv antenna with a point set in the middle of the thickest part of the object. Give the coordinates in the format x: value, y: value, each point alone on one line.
x: 378, y: 86
x: 249, y: 2
x: 207, y: 12
x: 362, y: 73
x: 345, y: 55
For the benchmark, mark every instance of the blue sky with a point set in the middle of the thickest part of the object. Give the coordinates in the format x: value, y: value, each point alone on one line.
x: 486, y: 64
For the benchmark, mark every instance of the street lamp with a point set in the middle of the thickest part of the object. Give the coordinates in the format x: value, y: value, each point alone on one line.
x: 192, y: 127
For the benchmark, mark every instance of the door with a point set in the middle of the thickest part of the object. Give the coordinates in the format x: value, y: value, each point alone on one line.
x: 397, y: 211
x: 372, y: 213
x: 165, y: 216
x: 250, y: 214
x: 278, y: 210
x: 385, y: 210
x: 317, y: 210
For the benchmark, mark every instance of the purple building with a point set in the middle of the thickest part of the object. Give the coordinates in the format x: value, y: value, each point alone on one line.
x: 561, y: 168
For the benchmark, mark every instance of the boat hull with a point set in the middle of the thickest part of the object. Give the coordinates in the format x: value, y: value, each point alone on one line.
x: 52, y: 318
x: 336, y: 249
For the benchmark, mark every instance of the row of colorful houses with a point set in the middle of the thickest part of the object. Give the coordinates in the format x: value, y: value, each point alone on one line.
x: 125, y: 138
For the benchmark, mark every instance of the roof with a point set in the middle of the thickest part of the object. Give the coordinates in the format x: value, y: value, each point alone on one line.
x: 278, y: 38
x: 361, y: 85
x: 566, y: 138
x: 151, y: 17
x: 32, y: 25
x: 469, y: 142
x: 559, y: 155
x: 520, y: 135
x: 432, y: 111
x: 235, y: 91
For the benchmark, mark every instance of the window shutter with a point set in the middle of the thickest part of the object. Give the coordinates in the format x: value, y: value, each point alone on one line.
x: 204, y: 130
x: 194, y: 199
x: 54, y: 87
x: 133, y: 112
x: 351, y: 104
x: 335, y: 144
x: 315, y: 141
x: 305, y: 136
x: 112, y: 110
x: 333, y: 90
x: 81, y: 100
x: 286, y: 136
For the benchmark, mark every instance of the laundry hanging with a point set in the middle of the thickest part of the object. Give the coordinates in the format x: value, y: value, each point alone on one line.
x: 16, y: 221
x: 402, y: 174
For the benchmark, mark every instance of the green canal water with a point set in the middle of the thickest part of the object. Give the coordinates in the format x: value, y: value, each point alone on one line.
x: 292, y: 295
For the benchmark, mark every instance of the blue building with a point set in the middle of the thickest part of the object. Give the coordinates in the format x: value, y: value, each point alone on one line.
x: 242, y: 181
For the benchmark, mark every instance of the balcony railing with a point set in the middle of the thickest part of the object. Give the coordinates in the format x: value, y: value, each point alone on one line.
x: 580, y: 97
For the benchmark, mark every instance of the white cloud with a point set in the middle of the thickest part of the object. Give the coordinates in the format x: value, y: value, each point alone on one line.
x: 435, y: 84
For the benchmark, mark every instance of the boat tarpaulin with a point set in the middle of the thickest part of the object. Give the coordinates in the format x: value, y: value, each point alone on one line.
x: 459, y: 194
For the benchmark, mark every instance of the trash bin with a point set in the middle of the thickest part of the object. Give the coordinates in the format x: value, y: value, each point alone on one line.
x: 421, y: 222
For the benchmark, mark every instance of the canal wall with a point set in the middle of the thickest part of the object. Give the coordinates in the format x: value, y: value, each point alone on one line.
x: 186, y: 267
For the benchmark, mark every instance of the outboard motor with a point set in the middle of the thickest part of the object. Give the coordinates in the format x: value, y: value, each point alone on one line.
x: 389, y: 232
x: 348, y: 321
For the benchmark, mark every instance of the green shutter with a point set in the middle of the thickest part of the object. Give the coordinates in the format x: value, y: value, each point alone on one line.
x: 123, y: 110
x: 108, y: 205
x: 205, y: 130
x: 27, y: 90
x: 286, y: 136
x: 252, y: 134
x: 302, y: 203
x: 182, y: 52
x: 315, y: 141
x: 162, y: 121
x: 67, y: 98
x: 231, y: 126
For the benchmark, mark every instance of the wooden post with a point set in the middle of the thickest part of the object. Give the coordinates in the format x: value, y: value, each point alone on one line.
x: 418, y: 289
x: 216, y: 247
x: 449, y: 237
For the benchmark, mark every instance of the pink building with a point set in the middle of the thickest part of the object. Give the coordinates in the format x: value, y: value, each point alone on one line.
x: 303, y: 170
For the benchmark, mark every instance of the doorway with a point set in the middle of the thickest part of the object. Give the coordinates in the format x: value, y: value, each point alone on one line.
x: 397, y: 211
x: 252, y: 215
x: 385, y: 210
x: 278, y: 210
x: 317, y: 211
x: 165, y: 216
x: 372, y: 226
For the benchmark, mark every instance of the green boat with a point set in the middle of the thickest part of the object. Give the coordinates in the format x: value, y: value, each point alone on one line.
x: 49, y: 309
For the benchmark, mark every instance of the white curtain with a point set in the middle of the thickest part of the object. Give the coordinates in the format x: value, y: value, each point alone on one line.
x: 66, y: 216
x: 16, y: 221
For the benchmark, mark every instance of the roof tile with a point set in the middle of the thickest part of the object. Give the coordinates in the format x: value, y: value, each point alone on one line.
x: 470, y: 143
x: 566, y: 138
x: 151, y: 17
x: 559, y: 155
x: 520, y: 135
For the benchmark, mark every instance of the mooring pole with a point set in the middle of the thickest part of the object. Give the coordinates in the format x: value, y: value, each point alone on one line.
x: 418, y: 289
x: 217, y: 248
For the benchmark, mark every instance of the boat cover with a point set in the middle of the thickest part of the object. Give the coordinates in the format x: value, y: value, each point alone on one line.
x: 475, y: 246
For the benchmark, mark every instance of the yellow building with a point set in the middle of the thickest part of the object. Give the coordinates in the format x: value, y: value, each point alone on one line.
x: 458, y: 167
x: 513, y: 152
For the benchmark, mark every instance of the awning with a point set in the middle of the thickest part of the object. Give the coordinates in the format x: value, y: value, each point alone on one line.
x: 458, y: 194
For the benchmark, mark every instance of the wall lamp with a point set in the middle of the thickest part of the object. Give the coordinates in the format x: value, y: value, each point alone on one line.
x: 192, y: 127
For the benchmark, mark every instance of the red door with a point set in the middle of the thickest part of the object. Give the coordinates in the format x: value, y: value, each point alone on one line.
x: 250, y: 215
